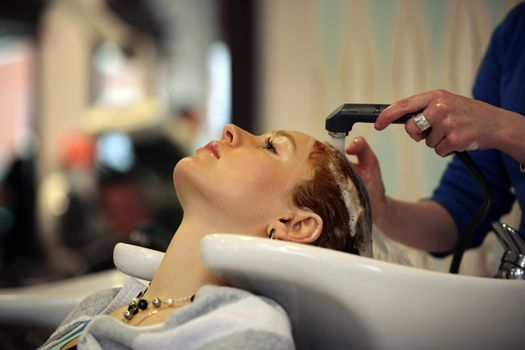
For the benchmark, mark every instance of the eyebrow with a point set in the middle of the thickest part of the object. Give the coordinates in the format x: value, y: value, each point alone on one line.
x: 288, y: 136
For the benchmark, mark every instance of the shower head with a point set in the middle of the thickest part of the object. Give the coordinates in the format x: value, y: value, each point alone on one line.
x: 340, y: 122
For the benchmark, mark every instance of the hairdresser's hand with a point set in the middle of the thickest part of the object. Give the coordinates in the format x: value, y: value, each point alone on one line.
x: 457, y: 123
x: 370, y: 172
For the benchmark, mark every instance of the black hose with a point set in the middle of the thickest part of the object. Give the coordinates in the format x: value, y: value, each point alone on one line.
x: 480, y: 213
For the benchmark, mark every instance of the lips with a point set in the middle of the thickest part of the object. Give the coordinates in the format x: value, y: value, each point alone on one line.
x: 213, y: 148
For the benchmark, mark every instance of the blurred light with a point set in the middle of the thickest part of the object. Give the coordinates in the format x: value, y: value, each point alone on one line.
x: 108, y: 58
x: 58, y: 202
x: 117, y: 77
x: 219, y: 101
x: 115, y: 151
x: 55, y: 191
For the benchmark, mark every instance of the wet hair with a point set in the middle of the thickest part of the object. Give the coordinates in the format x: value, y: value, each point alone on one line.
x: 337, y: 194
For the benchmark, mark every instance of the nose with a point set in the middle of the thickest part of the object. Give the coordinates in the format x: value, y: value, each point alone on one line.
x: 233, y: 135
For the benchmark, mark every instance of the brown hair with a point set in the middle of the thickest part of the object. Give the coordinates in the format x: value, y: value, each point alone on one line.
x: 323, y: 194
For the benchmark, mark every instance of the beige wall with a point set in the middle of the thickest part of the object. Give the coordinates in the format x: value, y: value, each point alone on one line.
x: 317, y: 54
x: 64, y: 70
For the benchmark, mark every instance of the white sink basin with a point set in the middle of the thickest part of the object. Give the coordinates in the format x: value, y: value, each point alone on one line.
x: 342, y: 301
x: 334, y: 300
x: 46, y: 305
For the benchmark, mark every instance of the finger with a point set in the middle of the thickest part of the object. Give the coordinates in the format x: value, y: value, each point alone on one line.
x: 396, y: 110
x: 444, y: 148
x: 365, y: 156
x: 457, y: 143
x: 435, y: 136
x: 435, y: 115
x: 357, y: 147
x: 413, y: 130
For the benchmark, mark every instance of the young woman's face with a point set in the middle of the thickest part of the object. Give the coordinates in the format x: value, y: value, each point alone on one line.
x: 244, y: 176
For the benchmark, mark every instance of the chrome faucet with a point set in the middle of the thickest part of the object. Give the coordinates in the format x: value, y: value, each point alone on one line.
x: 512, y: 264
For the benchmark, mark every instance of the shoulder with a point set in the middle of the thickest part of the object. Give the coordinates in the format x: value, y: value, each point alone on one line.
x: 225, y: 295
x: 215, y: 297
x: 219, y: 301
x: 105, y: 301
x: 93, y: 305
x: 77, y: 319
x: 226, y: 317
x: 513, y: 26
x: 517, y: 13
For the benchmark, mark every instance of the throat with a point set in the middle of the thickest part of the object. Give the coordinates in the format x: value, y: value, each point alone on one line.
x: 181, y: 272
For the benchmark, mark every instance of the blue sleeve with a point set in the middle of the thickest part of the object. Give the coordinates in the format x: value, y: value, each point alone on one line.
x: 499, y: 77
x: 488, y: 79
x: 458, y: 192
x: 461, y: 195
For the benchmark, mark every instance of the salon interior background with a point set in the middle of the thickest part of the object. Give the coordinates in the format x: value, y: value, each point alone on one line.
x: 99, y: 98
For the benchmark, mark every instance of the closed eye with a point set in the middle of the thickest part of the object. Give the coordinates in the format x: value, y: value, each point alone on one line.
x: 269, y: 145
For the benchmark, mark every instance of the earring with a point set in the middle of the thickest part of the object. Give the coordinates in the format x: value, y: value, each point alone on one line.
x: 272, y: 231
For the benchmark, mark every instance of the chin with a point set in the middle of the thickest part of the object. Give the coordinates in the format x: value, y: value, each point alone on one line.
x: 182, y: 167
x: 190, y: 179
x: 181, y: 171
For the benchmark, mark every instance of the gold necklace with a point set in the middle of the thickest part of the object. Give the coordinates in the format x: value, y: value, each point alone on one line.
x: 138, y: 304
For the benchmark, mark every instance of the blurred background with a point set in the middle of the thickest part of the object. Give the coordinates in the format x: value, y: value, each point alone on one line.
x: 100, y: 98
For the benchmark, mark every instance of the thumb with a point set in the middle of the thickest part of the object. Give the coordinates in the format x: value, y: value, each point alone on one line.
x: 365, y: 156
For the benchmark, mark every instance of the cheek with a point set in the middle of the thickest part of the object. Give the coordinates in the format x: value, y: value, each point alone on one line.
x: 260, y: 173
x: 255, y: 182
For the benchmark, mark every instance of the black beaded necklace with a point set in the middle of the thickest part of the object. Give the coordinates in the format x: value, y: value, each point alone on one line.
x: 138, y: 304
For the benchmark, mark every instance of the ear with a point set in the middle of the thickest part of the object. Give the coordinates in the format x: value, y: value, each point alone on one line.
x: 300, y: 226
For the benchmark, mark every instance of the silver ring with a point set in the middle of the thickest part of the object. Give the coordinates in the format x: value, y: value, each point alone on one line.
x: 421, y: 122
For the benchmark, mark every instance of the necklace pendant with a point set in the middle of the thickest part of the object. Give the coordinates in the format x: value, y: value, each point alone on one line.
x: 143, y: 304
x: 156, y: 302
x: 127, y: 315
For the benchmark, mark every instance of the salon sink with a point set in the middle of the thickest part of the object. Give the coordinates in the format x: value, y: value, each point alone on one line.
x: 342, y: 301
x: 47, y: 304
x: 335, y: 300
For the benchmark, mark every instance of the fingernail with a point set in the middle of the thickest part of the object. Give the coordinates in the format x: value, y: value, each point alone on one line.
x: 473, y: 146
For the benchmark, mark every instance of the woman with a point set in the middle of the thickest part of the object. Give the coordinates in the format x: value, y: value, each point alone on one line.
x: 283, y: 185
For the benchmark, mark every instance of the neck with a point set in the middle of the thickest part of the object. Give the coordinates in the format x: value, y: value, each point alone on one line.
x: 182, y: 272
